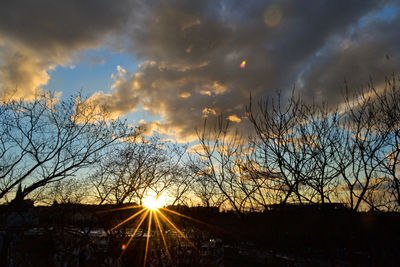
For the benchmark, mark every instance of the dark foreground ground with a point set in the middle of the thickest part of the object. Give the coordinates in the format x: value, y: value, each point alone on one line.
x: 79, y: 235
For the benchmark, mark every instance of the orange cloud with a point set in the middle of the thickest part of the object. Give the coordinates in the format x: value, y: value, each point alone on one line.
x: 185, y: 95
x: 234, y: 118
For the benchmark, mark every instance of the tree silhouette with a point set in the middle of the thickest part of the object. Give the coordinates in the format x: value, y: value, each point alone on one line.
x: 47, y: 140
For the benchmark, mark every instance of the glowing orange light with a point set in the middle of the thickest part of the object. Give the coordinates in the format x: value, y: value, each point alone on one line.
x: 163, y: 238
x: 177, y: 229
x: 123, y: 222
x: 243, y: 64
x: 152, y: 211
x: 153, y: 202
x: 147, y: 239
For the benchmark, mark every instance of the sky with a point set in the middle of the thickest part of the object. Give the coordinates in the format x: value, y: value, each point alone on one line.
x: 168, y: 65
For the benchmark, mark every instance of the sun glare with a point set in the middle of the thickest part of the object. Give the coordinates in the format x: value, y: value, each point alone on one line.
x: 154, y: 213
x: 153, y: 202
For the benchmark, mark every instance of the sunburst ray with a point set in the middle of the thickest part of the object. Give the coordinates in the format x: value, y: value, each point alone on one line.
x: 177, y: 229
x: 136, y: 229
x: 162, y: 236
x: 148, y: 238
x: 127, y: 219
x: 191, y: 218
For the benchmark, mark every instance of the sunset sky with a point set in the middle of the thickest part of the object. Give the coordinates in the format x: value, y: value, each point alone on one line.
x: 170, y: 64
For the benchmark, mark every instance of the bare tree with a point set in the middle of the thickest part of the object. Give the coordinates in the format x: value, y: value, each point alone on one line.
x: 135, y: 168
x: 179, y: 186
x: 71, y: 190
x: 387, y: 113
x: 322, y: 137
x: 202, y: 187
x: 220, y: 152
x: 47, y: 140
x: 314, y: 153
x: 280, y: 149
x: 366, y: 145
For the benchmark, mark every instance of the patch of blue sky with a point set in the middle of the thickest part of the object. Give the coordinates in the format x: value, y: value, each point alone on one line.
x: 90, y: 73
x: 135, y: 117
x: 387, y: 13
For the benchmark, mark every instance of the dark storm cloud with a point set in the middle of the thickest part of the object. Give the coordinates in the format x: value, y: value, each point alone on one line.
x: 191, y: 51
x: 36, y: 36
x: 372, y: 51
x: 48, y: 25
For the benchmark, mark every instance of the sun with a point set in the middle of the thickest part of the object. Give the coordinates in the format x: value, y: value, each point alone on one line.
x: 155, y: 214
x: 153, y: 202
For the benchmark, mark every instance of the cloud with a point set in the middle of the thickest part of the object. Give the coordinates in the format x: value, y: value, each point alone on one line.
x: 208, y: 111
x: 148, y: 128
x: 373, y: 50
x: 191, y: 51
x: 185, y: 95
x: 234, y: 118
x: 37, y: 36
x: 22, y: 73
x: 198, y: 148
x: 383, y: 184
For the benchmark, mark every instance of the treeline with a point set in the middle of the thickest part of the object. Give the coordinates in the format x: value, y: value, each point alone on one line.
x: 298, y: 151
x: 304, y: 152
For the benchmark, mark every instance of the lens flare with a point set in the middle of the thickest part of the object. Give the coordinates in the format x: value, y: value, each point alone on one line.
x: 273, y: 16
x: 158, y: 224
